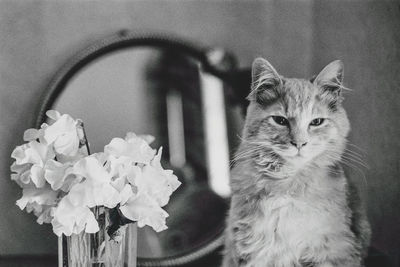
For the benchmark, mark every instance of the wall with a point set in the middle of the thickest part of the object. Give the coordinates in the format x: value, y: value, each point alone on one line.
x: 366, y: 36
x: 298, y: 37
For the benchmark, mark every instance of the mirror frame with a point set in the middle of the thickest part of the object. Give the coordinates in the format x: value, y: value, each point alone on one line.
x: 213, y: 63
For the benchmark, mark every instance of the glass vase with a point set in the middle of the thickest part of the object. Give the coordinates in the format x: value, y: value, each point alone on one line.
x: 99, y: 249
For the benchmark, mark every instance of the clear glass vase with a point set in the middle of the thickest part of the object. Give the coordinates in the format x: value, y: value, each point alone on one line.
x: 98, y: 249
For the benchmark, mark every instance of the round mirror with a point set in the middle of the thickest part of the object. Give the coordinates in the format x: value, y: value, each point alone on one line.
x: 169, y: 90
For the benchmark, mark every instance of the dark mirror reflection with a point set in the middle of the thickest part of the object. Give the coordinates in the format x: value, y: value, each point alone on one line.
x: 162, y: 93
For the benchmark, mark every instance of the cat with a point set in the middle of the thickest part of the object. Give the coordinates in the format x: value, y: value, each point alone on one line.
x: 291, y: 203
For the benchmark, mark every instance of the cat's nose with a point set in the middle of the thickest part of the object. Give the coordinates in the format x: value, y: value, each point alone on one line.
x: 298, y: 144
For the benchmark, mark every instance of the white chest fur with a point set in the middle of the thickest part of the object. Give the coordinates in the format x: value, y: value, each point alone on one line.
x: 302, y: 228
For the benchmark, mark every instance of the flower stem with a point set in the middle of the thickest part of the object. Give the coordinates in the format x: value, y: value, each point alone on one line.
x: 85, y: 140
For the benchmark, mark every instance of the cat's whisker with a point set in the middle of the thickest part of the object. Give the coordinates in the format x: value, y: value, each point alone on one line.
x: 245, y: 154
x: 351, y: 166
x: 248, y: 151
x: 356, y: 168
x: 353, y: 156
x: 355, y: 146
x: 351, y: 163
x: 265, y: 143
x: 348, y: 160
x: 348, y: 151
x: 349, y: 156
x: 354, y: 152
x: 355, y: 160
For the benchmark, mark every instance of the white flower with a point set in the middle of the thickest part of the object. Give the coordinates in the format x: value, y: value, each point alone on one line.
x: 43, y: 212
x: 62, y: 134
x: 95, y: 189
x: 46, y: 216
x: 82, y: 152
x: 70, y: 219
x: 145, y: 211
x: 21, y: 174
x: 40, y: 201
x: 37, y: 196
x: 32, y: 134
x: 61, y: 182
x: 158, y: 183
x: 53, y: 115
x: 134, y: 148
x: 126, y: 193
x: 35, y: 134
x: 60, y: 176
x: 133, y: 164
x: 34, y: 154
x: 131, y: 137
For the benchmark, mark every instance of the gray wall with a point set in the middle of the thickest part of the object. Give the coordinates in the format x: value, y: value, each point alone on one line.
x: 366, y: 35
x: 299, y: 38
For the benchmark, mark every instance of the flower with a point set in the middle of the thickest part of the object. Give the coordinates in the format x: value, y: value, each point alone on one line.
x: 34, y: 134
x: 95, y: 189
x: 130, y: 137
x: 132, y: 147
x: 21, y: 174
x: 38, y: 200
x: 30, y: 159
x: 43, y: 212
x: 61, y: 182
x: 70, y: 219
x: 157, y: 182
x: 41, y: 196
x: 146, y: 211
x: 63, y: 134
x: 60, y: 175
x: 140, y: 169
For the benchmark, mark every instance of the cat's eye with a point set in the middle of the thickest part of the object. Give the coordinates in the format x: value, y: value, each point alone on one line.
x: 280, y: 120
x: 317, y: 122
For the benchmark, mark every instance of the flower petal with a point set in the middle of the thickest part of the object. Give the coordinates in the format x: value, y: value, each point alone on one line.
x: 82, y: 152
x: 92, y: 169
x: 131, y: 137
x: 126, y: 194
x: 53, y: 114
x: 31, y: 134
x: 63, y: 133
x: 157, y: 182
x: 137, y: 149
x: 32, y: 152
x: 21, y: 174
x: 96, y: 189
x: 43, y: 212
x: 41, y: 196
x: 70, y: 219
x: 145, y: 211
x: 46, y: 215
x: 57, y: 173
x: 67, y: 144
x: 37, y: 176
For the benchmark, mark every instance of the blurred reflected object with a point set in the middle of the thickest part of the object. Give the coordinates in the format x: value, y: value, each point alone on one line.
x: 176, y: 135
x: 217, y: 148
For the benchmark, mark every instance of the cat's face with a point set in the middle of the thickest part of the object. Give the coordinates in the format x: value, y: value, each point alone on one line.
x: 297, y: 121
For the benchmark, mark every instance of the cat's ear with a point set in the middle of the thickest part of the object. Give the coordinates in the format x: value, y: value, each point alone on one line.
x: 331, y: 77
x: 264, y: 79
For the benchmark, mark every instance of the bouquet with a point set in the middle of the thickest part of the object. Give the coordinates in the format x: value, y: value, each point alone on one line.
x: 62, y: 183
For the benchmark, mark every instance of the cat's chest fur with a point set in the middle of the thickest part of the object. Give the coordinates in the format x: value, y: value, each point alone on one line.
x: 293, y: 225
x: 299, y: 221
